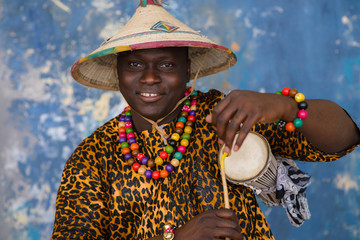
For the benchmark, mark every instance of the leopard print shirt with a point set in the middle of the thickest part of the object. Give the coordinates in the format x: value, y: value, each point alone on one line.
x: 101, y: 197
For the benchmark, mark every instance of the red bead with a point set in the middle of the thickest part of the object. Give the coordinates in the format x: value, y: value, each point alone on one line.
x: 136, y: 166
x: 164, y: 173
x: 155, y: 175
x: 163, y: 155
x: 122, y: 134
x: 182, y: 149
x: 191, y: 118
x: 139, y: 156
x: 128, y: 108
x: 186, y: 108
x: 285, y: 91
x: 130, y: 135
x: 193, y: 102
x: 290, y: 127
x: 128, y: 124
x: 187, y: 93
x: 302, y: 114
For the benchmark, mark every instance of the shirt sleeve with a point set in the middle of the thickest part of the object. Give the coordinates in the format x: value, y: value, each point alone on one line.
x: 81, y: 205
x: 294, y: 145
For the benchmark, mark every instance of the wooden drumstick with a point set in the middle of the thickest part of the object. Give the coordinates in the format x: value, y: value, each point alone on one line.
x: 224, y: 183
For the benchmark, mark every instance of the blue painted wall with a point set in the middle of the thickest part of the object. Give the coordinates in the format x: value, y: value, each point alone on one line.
x: 313, y: 46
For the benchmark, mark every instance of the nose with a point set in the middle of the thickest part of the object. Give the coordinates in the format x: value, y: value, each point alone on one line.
x: 150, y: 76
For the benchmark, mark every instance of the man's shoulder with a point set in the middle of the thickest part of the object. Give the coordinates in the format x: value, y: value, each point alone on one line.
x: 207, y: 100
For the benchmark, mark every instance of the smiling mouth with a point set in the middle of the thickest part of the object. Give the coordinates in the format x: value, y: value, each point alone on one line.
x: 149, y: 94
x: 149, y: 97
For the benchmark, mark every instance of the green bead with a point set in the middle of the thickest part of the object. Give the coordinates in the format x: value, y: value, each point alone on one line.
x: 169, y: 149
x: 128, y: 113
x: 182, y: 119
x: 129, y: 129
x: 187, y: 102
x: 178, y: 155
x: 278, y: 93
x: 186, y: 136
x: 194, y: 92
x: 124, y: 145
x: 298, y: 122
x: 277, y: 122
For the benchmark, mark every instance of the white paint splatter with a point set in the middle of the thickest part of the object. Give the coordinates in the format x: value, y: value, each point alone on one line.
x: 345, y: 183
x: 271, y: 10
x: 210, y: 22
x: 102, y: 6
x: 345, y: 20
x: 13, y: 156
x: 61, y: 5
x: 247, y: 22
x: 99, y: 109
x: 238, y: 13
x: 172, y: 5
x: 111, y: 28
x: 28, y: 52
x: 257, y: 32
x: 57, y: 133
x: 348, y: 34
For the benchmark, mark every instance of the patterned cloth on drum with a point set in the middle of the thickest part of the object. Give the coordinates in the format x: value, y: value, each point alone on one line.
x: 290, y: 188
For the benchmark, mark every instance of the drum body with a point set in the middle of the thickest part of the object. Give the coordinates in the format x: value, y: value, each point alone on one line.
x: 254, y: 166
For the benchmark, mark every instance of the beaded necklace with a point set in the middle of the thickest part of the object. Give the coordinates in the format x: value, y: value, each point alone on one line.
x: 143, y: 164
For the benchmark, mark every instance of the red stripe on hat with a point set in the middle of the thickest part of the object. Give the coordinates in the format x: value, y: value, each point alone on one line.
x: 151, y: 2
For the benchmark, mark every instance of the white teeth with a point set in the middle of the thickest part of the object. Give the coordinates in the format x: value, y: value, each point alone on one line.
x: 149, y: 94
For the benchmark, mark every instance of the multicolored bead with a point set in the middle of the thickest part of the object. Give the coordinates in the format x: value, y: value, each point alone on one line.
x: 140, y: 162
x: 302, y: 105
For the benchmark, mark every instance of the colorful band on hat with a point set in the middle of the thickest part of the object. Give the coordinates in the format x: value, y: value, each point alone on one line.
x: 150, y: 27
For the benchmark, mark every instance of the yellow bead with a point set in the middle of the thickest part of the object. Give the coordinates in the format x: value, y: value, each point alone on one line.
x: 158, y: 160
x: 175, y: 162
x: 175, y: 136
x: 142, y: 170
x: 121, y: 124
x: 184, y: 142
x: 193, y: 107
x: 299, y: 97
x: 188, y: 129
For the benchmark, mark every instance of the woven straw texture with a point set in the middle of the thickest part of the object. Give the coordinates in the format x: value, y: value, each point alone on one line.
x: 99, y: 68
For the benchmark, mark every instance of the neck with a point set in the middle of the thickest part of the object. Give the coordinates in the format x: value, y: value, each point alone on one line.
x: 142, y: 124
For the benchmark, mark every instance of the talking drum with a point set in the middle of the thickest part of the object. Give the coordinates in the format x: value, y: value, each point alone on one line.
x: 254, y: 166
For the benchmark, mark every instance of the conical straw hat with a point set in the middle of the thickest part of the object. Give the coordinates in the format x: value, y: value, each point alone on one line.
x: 150, y: 27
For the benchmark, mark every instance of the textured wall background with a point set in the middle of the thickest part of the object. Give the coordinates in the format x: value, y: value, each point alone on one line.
x: 313, y: 46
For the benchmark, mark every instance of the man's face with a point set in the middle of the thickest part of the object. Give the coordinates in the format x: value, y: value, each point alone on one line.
x: 153, y: 80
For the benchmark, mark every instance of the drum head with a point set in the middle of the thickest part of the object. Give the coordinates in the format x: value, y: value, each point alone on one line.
x: 249, y: 161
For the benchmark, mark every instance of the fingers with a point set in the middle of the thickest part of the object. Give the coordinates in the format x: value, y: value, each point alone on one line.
x: 227, y: 224
x: 238, y: 112
x: 212, y: 224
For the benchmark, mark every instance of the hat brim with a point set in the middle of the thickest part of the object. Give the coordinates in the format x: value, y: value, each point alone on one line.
x: 99, y: 69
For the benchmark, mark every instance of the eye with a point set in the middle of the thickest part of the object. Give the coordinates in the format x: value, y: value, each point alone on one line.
x: 135, y: 64
x: 166, y: 65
